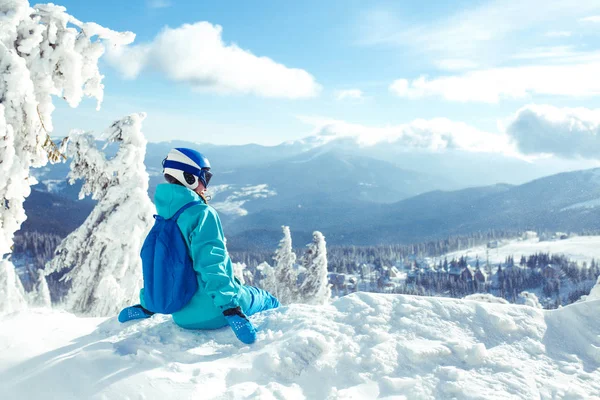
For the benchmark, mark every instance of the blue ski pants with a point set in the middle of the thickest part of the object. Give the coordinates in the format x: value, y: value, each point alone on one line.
x: 261, y: 300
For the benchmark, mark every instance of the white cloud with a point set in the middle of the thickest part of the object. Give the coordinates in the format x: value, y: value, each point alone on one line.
x: 554, y: 34
x: 489, y: 86
x: 488, y: 32
x: 435, y: 135
x: 196, y: 54
x: 349, y: 94
x: 593, y: 18
x: 564, y: 53
x: 455, y: 64
x: 158, y: 3
x: 565, y: 132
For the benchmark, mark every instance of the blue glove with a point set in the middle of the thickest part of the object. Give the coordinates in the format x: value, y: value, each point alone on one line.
x: 134, y: 312
x: 243, y: 329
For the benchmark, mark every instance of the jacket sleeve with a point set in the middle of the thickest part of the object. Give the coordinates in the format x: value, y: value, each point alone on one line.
x: 211, y: 261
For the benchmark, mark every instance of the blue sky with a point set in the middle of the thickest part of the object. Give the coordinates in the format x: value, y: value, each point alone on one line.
x: 368, y: 64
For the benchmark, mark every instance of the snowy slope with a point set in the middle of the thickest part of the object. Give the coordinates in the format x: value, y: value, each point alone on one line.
x: 363, y: 346
x: 579, y: 249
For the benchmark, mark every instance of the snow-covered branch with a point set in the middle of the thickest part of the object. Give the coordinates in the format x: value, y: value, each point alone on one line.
x: 43, y: 52
x: 103, y: 254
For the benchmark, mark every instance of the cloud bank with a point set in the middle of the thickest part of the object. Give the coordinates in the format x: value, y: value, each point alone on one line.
x: 435, y: 135
x: 592, y: 18
x: 492, y: 85
x: 195, y: 54
x: 486, y: 31
x: 565, y: 132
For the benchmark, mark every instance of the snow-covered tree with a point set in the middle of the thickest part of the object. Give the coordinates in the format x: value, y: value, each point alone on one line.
x: 315, y: 288
x: 40, y: 296
x: 529, y: 299
x: 12, y: 294
x: 103, y: 254
x: 43, y: 52
x: 285, y: 273
x: 238, y: 271
x: 267, y: 278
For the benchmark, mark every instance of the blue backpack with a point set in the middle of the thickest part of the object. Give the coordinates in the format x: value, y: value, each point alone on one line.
x: 169, y: 276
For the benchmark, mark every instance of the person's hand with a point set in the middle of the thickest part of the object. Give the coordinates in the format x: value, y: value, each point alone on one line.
x: 243, y: 329
x: 134, y: 312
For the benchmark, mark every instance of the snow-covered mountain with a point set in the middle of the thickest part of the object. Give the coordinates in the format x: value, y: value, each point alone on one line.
x: 563, y: 202
x: 362, y: 346
x: 48, y: 212
x: 341, y: 189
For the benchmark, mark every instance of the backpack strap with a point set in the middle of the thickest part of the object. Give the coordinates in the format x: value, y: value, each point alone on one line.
x: 185, y: 207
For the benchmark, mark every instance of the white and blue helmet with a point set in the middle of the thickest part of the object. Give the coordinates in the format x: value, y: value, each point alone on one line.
x: 188, y: 166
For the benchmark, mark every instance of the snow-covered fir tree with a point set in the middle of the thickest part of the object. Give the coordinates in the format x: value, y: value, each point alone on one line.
x: 103, y: 254
x: 12, y: 294
x: 267, y: 279
x: 286, y: 277
x: 315, y: 288
x: 238, y: 271
x: 43, y: 52
x: 40, y: 296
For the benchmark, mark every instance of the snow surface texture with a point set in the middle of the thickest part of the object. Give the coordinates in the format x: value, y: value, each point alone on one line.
x: 104, y: 250
x: 362, y: 346
x: 581, y: 248
x: 529, y: 299
x: 486, y: 298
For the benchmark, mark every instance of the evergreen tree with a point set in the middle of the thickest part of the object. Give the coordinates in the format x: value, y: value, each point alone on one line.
x: 315, y: 288
x: 12, y: 294
x: 239, y: 271
x: 285, y: 273
x: 103, y: 254
x: 40, y: 296
x: 267, y: 280
x: 43, y: 52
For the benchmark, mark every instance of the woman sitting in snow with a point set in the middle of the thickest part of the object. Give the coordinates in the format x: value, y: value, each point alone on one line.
x: 220, y: 298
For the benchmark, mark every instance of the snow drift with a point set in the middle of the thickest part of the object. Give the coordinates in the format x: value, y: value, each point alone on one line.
x: 362, y: 346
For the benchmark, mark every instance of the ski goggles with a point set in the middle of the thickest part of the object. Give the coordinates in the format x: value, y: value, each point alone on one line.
x: 205, y: 176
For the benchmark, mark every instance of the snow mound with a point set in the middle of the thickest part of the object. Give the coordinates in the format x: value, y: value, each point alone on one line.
x: 362, y: 346
x: 486, y: 298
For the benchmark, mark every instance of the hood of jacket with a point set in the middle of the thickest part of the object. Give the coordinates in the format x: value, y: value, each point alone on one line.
x: 169, y: 198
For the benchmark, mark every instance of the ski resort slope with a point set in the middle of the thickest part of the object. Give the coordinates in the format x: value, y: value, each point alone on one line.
x: 362, y: 346
x: 579, y: 249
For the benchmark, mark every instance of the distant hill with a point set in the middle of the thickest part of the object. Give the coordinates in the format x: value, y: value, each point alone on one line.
x: 565, y: 202
x: 50, y: 213
x: 347, y: 193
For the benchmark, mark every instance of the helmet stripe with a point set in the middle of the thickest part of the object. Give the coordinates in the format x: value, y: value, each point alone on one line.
x: 198, y: 159
x: 183, y: 167
x: 177, y: 155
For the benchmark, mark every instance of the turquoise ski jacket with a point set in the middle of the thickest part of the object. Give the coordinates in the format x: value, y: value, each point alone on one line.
x: 218, y: 289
